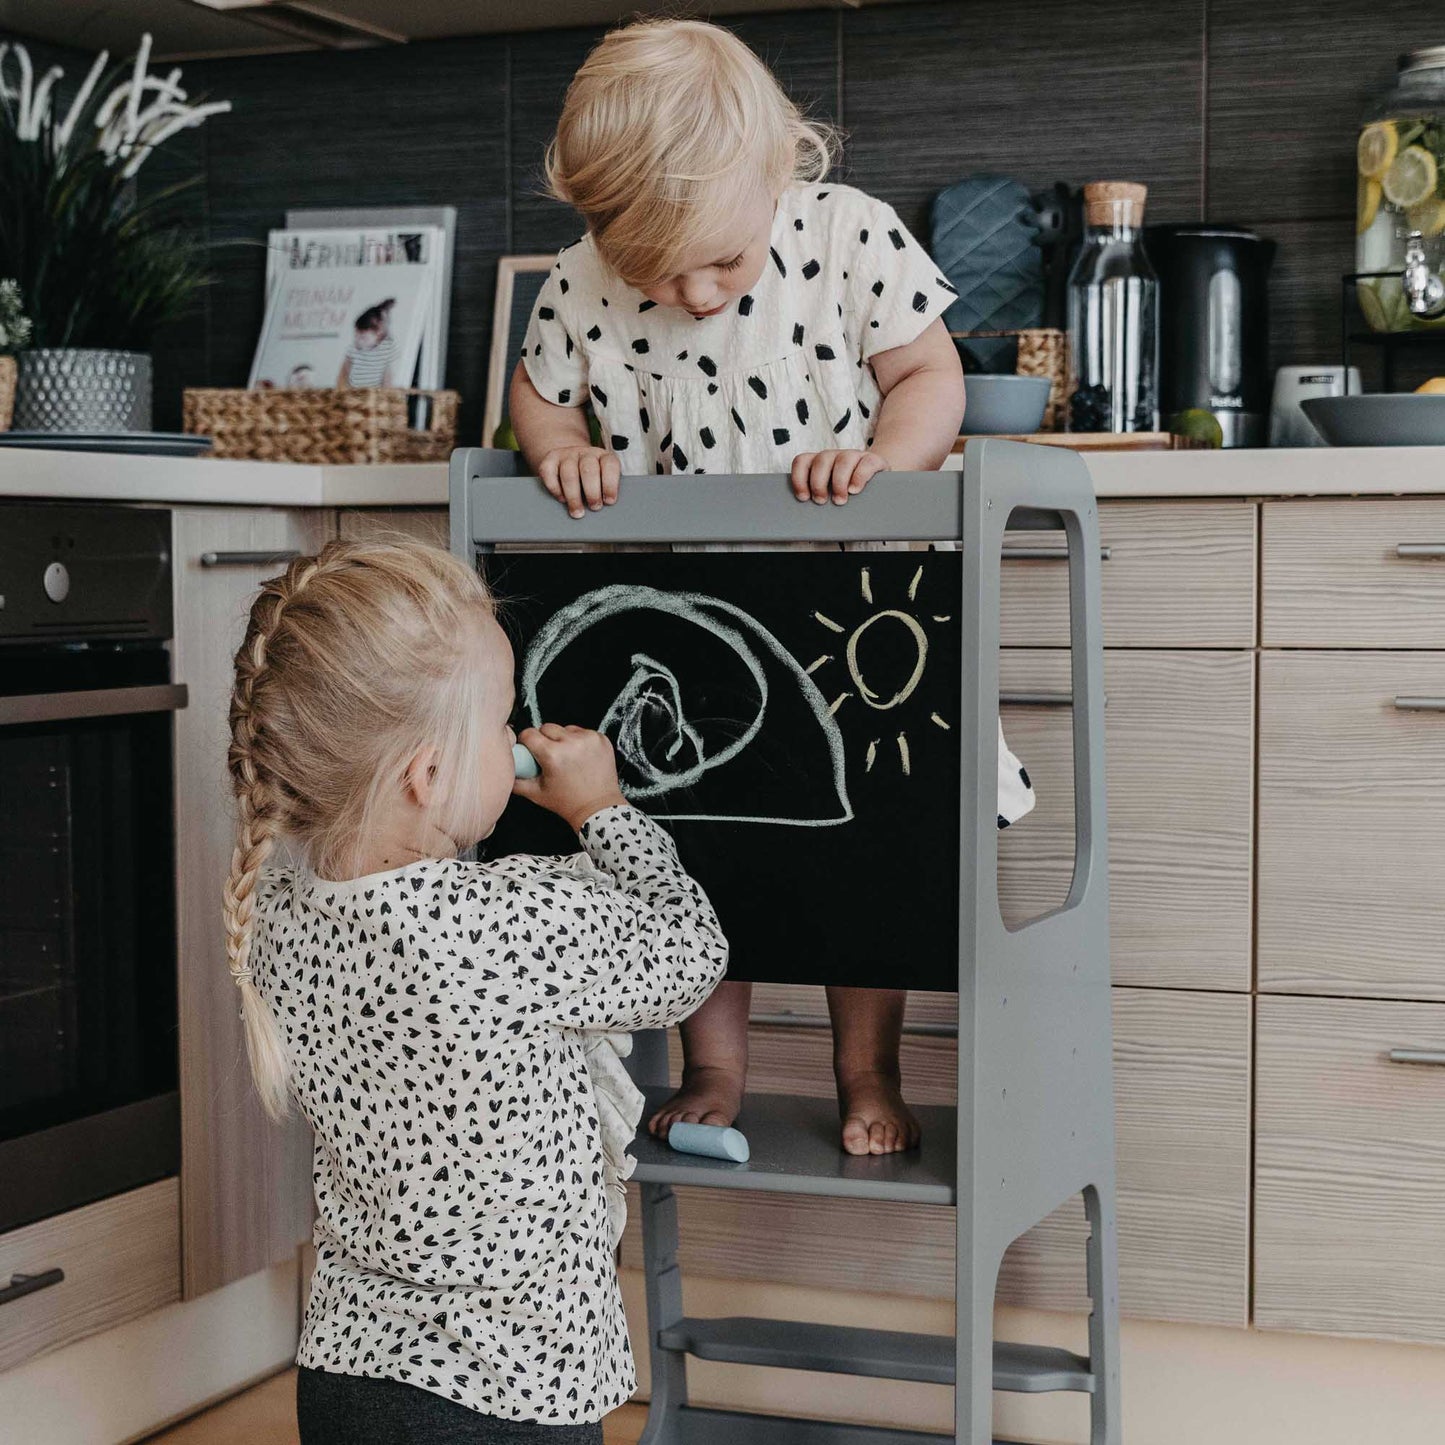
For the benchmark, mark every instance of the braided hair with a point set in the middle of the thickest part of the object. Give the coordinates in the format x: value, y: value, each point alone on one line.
x: 352, y: 660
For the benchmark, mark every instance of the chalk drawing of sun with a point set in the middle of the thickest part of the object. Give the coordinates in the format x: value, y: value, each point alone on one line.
x: 904, y: 640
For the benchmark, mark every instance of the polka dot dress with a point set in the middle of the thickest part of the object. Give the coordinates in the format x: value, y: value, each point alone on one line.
x: 436, y: 1019
x: 784, y: 370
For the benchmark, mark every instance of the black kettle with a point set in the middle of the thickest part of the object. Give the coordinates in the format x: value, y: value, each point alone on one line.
x: 1214, y: 325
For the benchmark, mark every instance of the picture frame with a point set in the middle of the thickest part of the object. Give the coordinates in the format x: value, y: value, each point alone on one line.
x: 519, y: 279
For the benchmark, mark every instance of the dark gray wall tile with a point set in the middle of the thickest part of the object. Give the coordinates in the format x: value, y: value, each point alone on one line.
x: 1051, y: 91
x: 419, y: 125
x: 1305, y: 288
x: 1288, y: 82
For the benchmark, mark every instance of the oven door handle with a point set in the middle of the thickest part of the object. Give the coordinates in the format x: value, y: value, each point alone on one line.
x: 102, y: 702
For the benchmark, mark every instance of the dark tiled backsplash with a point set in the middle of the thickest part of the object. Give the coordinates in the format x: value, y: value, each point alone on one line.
x: 1228, y: 109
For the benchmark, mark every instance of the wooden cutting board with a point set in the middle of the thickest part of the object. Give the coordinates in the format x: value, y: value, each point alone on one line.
x: 1140, y: 441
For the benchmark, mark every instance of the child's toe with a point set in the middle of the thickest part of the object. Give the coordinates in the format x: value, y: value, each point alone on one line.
x: 855, y: 1135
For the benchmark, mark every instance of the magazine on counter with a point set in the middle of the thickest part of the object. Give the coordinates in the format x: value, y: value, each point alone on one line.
x: 350, y: 308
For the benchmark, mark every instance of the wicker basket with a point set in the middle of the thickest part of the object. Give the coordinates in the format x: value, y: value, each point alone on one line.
x: 1043, y: 351
x: 8, y: 372
x: 335, y: 427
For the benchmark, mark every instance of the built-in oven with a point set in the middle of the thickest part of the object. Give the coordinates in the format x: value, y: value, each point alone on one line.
x: 88, y: 1046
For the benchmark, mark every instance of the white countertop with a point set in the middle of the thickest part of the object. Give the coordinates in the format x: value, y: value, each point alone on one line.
x: 112, y: 477
x: 1322, y: 471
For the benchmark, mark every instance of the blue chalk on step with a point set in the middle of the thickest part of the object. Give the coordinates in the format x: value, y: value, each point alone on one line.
x: 524, y: 765
x: 713, y: 1140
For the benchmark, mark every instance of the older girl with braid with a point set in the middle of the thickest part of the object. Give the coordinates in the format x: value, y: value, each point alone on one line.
x: 443, y: 1024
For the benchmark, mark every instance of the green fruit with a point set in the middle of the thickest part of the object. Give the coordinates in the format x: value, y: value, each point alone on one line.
x: 1198, y: 424
x: 505, y: 438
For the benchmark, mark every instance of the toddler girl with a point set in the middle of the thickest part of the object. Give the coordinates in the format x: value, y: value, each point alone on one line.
x: 433, y: 1017
x: 728, y: 311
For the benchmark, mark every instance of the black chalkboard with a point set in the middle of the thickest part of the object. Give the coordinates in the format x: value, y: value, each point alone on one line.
x: 789, y: 716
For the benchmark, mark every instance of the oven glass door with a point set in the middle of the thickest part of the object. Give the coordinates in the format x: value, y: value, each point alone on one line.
x: 87, y: 897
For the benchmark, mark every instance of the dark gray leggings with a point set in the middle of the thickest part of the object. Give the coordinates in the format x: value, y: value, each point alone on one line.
x: 358, y: 1410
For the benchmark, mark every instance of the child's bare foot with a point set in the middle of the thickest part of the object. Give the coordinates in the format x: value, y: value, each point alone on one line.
x: 875, y: 1118
x: 708, y: 1095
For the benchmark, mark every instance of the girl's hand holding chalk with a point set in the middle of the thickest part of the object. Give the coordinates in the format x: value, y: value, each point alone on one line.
x: 577, y: 773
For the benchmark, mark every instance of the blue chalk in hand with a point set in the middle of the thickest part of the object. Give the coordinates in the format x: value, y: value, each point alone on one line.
x: 524, y: 765
x: 713, y: 1140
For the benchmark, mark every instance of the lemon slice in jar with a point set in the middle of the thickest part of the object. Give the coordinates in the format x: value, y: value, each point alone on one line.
x: 1367, y: 204
x: 1376, y: 148
x: 1411, y: 178
x: 1428, y: 217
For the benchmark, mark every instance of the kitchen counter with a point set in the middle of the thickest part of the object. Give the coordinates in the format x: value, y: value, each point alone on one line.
x: 113, y: 477
x: 1323, y: 471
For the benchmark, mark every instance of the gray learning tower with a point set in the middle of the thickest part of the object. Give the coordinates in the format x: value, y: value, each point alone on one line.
x: 1034, y: 1123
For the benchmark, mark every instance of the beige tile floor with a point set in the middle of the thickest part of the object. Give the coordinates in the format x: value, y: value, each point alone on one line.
x: 266, y: 1415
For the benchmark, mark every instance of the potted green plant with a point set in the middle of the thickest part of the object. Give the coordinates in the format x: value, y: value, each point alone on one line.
x: 14, y: 336
x: 101, y: 260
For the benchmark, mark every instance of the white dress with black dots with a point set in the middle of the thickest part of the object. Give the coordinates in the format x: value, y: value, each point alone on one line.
x: 783, y: 371
x: 436, y: 1019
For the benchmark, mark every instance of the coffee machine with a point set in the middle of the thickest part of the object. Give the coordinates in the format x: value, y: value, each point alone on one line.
x: 1214, y: 326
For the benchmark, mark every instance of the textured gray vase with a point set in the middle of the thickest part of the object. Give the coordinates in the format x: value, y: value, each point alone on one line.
x: 67, y: 390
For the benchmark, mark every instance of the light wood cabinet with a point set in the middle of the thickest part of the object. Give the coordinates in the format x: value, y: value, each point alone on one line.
x: 1178, y: 574
x: 245, y: 1182
x: 120, y: 1259
x: 1351, y: 801
x: 1354, y: 572
x: 1350, y: 1169
x: 1179, y: 730
x: 1182, y: 1063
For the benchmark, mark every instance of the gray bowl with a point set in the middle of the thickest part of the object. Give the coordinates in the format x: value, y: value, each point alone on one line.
x: 1010, y: 404
x: 1378, y: 420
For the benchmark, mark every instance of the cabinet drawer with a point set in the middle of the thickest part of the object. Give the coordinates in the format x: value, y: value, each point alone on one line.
x: 121, y: 1258
x: 1349, y: 1169
x: 1179, y: 574
x: 1334, y: 574
x: 1351, y: 798
x: 1179, y: 736
x: 1181, y: 1081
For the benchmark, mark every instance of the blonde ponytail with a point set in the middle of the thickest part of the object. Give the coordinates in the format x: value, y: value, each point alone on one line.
x: 352, y: 660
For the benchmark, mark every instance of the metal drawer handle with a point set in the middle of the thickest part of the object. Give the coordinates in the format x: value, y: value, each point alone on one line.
x: 1036, y: 699
x: 103, y: 702
x: 1052, y: 554
x: 1420, y: 549
x: 1420, y: 704
x: 23, y: 1284
x: 1417, y: 1056
x: 248, y: 559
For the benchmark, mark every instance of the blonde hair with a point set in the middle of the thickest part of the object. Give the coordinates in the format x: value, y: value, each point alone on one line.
x: 353, y: 661
x: 664, y: 125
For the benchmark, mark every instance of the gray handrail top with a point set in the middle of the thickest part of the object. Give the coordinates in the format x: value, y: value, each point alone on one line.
x: 895, y: 507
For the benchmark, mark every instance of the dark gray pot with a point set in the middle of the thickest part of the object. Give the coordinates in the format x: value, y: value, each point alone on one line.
x: 70, y: 390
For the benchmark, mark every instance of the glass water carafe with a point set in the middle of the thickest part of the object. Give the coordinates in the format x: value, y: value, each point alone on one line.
x: 1113, y: 317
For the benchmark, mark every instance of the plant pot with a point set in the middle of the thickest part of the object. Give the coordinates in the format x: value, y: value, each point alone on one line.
x: 7, y: 391
x: 67, y: 390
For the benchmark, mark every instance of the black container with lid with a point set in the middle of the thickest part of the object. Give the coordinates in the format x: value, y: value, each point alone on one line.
x: 1214, y: 326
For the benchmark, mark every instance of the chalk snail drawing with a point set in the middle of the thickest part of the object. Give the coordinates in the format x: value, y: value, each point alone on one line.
x: 650, y: 704
x: 663, y: 752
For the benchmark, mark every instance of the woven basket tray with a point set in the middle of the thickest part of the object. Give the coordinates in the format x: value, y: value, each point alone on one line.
x: 8, y: 372
x: 335, y: 427
x: 1043, y: 351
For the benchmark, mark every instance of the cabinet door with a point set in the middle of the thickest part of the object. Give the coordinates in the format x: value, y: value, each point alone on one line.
x: 1178, y: 574
x: 1351, y: 798
x: 1181, y: 1084
x: 1179, y: 734
x: 245, y: 1182
x: 1350, y: 1169
x: 1354, y: 572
